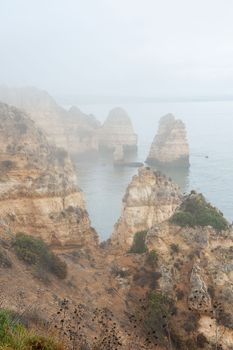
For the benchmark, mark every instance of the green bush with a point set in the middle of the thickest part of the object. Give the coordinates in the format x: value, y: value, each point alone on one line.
x: 139, y: 245
x: 152, y: 258
x: 34, y: 251
x: 196, y: 211
x: 158, y: 312
x: 15, y: 336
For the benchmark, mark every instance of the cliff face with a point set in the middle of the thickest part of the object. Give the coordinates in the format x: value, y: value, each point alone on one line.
x: 150, y: 198
x: 38, y: 187
x: 72, y: 130
x: 195, y: 269
x: 117, y: 131
x: 170, y: 146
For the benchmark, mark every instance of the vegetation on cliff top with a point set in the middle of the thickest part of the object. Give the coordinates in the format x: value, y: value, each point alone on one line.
x: 196, y: 211
x: 34, y: 251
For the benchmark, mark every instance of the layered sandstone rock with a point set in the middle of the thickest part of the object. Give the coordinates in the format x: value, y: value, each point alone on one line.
x: 38, y: 185
x: 72, y: 130
x: 117, y: 131
x: 170, y: 145
x: 150, y: 198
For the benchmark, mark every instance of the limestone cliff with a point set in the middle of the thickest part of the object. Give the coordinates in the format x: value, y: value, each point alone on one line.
x: 150, y: 198
x: 195, y: 269
x: 72, y: 130
x: 38, y: 185
x: 170, y: 146
x: 117, y: 131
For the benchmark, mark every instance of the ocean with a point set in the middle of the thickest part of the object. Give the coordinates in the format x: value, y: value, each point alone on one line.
x: 210, y: 134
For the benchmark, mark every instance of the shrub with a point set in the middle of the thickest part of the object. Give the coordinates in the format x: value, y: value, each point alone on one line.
x: 196, y: 211
x: 15, y: 336
x: 34, y: 251
x: 174, y: 248
x: 4, y: 259
x: 139, y: 245
x: 119, y: 272
x: 41, y: 343
x: 201, y: 341
x: 152, y: 258
x: 159, y: 309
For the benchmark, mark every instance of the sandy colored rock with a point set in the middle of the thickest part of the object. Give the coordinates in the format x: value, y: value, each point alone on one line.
x: 73, y: 130
x: 38, y: 188
x: 150, y: 198
x: 170, y: 146
x: 117, y: 131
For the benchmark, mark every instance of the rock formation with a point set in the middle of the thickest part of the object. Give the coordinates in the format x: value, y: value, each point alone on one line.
x: 150, y: 198
x: 72, y: 130
x: 194, y: 265
x: 38, y: 185
x: 81, y: 131
x: 117, y: 131
x: 170, y: 146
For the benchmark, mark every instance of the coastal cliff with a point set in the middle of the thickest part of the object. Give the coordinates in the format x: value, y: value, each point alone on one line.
x: 170, y: 146
x: 38, y: 189
x: 72, y: 130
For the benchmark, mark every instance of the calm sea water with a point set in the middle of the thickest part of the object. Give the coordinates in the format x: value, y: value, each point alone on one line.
x: 210, y: 133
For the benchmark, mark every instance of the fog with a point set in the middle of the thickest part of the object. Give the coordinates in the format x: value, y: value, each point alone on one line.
x: 118, y: 47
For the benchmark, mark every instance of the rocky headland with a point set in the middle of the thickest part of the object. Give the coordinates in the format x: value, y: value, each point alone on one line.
x: 164, y: 281
x: 170, y: 146
x: 72, y: 130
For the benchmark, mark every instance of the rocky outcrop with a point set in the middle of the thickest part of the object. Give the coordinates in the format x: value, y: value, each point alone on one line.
x: 38, y: 186
x: 170, y: 146
x: 195, y: 269
x: 117, y: 131
x: 150, y: 198
x: 81, y: 131
x: 72, y: 130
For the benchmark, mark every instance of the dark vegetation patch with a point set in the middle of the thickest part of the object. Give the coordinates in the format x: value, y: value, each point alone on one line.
x: 196, y: 211
x: 152, y: 258
x: 139, y: 244
x: 34, y: 251
x: 15, y: 336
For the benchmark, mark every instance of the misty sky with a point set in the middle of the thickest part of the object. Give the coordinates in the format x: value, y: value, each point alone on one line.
x: 118, y: 47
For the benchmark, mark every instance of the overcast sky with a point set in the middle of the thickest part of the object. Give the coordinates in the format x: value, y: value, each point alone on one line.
x: 118, y: 47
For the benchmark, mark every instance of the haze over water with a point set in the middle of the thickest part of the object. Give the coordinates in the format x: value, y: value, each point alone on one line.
x: 209, y: 133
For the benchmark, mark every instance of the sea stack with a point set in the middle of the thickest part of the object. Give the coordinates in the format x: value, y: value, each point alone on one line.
x: 81, y: 131
x: 117, y: 131
x: 170, y: 146
x: 38, y: 185
x: 150, y: 199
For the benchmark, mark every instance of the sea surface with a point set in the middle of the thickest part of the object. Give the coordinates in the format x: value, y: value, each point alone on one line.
x: 210, y: 134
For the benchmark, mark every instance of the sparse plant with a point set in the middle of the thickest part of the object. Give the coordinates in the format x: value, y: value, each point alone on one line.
x: 34, y: 251
x: 152, y: 258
